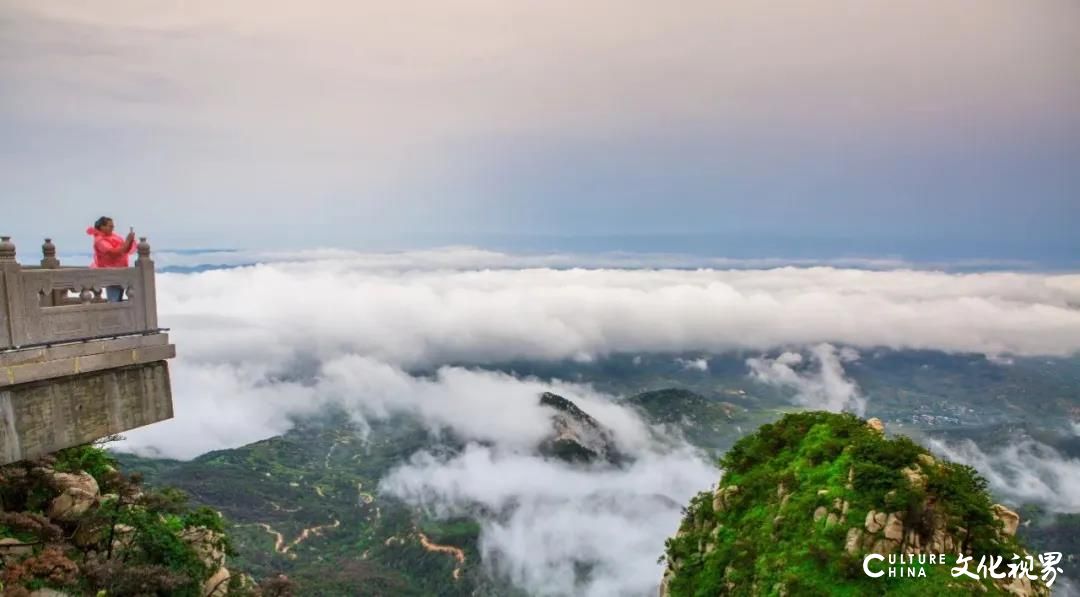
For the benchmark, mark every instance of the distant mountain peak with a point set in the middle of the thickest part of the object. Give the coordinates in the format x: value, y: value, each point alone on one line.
x: 576, y: 435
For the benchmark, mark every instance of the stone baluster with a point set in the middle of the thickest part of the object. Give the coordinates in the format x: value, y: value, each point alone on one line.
x: 12, y: 326
x: 144, y: 249
x: 49, y: 261
x: 48, y: 255
x: 146, y: 294
x: 7, y: 249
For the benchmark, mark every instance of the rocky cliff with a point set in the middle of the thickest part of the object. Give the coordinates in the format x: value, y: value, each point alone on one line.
x: 72, y: 524
x: 804, y: 500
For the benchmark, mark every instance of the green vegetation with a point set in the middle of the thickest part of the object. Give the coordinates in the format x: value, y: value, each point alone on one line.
x: 782, y: 518
x: 88, y: 458
x: 322, y: 472
x: 85, y: 528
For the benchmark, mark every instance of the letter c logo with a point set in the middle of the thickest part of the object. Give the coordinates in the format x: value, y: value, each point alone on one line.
x: 866, y: 564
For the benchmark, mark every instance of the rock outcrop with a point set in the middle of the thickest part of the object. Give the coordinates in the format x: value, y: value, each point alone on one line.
x: 209, y: 545
x: 876, y: 424
x: 1010, y: 520
x: 69, y: 531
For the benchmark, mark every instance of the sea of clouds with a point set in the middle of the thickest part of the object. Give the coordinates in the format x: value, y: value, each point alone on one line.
x: 380, y: 334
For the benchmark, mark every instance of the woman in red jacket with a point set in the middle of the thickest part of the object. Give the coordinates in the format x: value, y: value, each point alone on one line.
x: 111, y: 250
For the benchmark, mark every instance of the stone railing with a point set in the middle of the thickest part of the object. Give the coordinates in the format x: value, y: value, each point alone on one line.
x: 49, y: 303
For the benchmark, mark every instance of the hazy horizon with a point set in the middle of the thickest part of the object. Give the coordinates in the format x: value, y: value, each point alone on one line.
x: 927, y: 128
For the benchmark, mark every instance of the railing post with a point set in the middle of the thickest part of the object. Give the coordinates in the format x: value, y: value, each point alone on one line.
x: 145, y: 265
x: 12, y: 299
x: 48, y: 255
x: 49, y: 261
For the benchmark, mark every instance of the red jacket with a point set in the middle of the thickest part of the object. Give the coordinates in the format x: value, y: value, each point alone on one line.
x: 109, y: 249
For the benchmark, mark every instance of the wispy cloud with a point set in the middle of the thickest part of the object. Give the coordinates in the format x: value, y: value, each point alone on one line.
x: 699, y: 364
x: 822, y: 385
x: 557, y: 519
x: 1022, y: 471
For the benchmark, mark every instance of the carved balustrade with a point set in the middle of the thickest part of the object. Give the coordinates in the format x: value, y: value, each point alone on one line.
x: 50, y: 303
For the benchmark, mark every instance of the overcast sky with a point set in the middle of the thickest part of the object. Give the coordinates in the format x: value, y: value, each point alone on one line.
x: 853, y: 126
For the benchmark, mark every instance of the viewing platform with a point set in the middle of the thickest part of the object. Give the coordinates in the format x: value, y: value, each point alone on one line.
x: 75, y: 367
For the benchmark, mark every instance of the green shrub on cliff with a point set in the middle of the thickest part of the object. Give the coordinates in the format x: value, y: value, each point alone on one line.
x: 805, y: 498
x: 72, y: 522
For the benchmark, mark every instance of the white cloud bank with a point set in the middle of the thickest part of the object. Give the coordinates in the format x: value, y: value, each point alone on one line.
x: 270, y: 313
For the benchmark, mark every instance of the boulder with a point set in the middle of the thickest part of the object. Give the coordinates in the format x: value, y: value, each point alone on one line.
x: 914, y: 476
x: 71, y: 505
x: 78, y: 493
x: 80, y: 480
x: 875, y: 521
x: 820, y: 513
x: 894, y: 526
x: 876, y: 424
